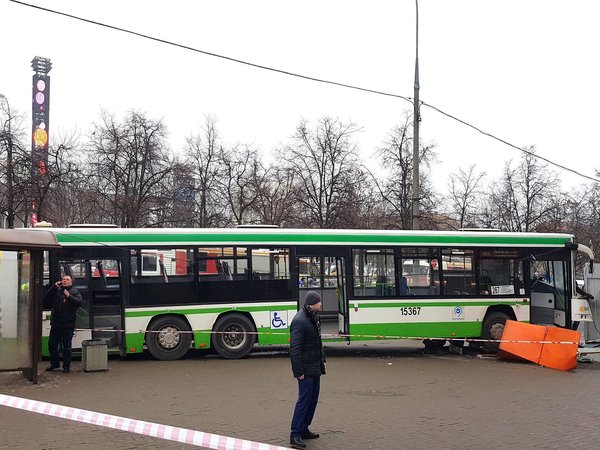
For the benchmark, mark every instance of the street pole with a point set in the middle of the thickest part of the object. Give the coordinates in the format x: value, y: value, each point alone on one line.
x: 416, y: 119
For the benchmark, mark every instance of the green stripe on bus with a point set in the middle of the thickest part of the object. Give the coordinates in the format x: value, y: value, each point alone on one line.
x: 238, y: 238
x: 426, y: 303
x: 202, y: 339
x: 134, y: 342
x: 45, y: 350
x: 272, y: 307
x: 267, y: 336
x: 420, y: 330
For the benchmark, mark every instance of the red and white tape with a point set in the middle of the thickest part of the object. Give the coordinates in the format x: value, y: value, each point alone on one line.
x: 183, y: 435
x: 346, y: 336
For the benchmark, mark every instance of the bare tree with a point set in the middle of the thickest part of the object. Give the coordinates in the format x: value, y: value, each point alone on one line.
x: 326, y: 170
x: 62, y: 173
x: 202, y: 156
x: 242, y: 173
x: 526, y: 196
x: 11, y: 147
x: 465, y: 191
x: 130, y: 165
x: 72, y: 201
x: 593, y: 220
x: 64, y: 191
x: 20, y: 182
x: 275, y: 192
x: 583, y: 215
x: 396, y: 158
x: 364, y: 208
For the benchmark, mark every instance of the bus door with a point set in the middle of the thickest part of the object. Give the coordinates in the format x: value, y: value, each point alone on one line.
x: 78, y: 270
x: 320, y: 269
x: 106, y: 307
x: 549, y: 296
x: 99, y: 282
x: 343, y: 308
x: 319, y: 273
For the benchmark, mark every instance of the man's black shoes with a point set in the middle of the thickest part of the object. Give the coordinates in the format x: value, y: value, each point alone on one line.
x: 297, y: 442
x: 51, y: 368
x: 309, y: 435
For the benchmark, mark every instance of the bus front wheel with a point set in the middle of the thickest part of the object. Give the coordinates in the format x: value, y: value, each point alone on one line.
x: 169, y: 338
x: 233, y: 337
x: 493, y: 327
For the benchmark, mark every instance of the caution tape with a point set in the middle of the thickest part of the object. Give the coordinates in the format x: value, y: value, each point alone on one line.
x: 167, y: 432
x: 344, y: 336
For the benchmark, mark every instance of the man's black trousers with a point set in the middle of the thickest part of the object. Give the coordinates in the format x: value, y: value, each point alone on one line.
x: 58, y: 335
x: 308, y: 396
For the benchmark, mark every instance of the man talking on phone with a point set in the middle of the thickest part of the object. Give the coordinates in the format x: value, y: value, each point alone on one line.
x: 65, y: 300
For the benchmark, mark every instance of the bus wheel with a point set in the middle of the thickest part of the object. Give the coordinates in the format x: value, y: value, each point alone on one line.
x: 232, y: 338
x: 493, y: 327
x: 169, y: 338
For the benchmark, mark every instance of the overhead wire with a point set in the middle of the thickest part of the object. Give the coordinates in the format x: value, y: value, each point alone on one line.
x: 216, y: 55
x: 528, y: 152
x: 305, y: 77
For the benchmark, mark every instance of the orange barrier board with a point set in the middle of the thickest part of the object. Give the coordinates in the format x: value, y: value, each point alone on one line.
x: 547, y: 346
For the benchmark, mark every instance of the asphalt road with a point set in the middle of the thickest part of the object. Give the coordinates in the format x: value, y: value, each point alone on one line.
x: 374, y: 396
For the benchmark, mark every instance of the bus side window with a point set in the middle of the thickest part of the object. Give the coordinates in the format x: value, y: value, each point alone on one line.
x: 373, y: 272
x: 500, y: 276
x: 458, y: 272
x: 419, y: 275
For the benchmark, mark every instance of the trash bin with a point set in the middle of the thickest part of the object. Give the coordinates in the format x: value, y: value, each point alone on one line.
x: 94, y: 355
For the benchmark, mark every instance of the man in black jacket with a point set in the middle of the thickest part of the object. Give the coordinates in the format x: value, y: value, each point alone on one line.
x: 308, y: 364
x: 65, y: 300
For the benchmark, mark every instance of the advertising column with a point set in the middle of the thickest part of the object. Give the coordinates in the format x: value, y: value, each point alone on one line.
x: 40, y: 124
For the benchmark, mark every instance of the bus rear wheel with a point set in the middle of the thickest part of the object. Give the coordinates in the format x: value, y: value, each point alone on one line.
x: 232, y: 338
x: 169, y: 338
x: 493, y: 327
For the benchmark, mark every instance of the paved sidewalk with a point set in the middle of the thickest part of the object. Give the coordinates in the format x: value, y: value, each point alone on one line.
x: 375, y: 396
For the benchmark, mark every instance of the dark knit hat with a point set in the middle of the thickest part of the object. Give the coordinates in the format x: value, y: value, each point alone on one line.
x: 312, y: 298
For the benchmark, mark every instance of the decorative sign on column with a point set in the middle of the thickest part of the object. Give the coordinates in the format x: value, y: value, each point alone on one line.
x: 40, y: 124
x: 40, y: 113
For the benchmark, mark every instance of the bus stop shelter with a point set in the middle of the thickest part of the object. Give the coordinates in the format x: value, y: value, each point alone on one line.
x: 21, y: 291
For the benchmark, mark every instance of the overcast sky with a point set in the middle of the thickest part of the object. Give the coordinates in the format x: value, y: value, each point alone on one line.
x: 526, y: 71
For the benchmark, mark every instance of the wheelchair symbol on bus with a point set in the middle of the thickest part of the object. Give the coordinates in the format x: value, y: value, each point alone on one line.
x: 277, y: 321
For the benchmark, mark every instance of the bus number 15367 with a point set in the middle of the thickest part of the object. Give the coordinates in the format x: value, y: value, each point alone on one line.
x: 410, y: 311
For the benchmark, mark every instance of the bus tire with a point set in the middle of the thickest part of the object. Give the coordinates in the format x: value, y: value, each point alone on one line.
x: 493, y: 327
x: 232, y: 338
x: 169, y: 338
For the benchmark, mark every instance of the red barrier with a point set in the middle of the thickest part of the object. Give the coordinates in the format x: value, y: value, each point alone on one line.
x: 547, y: 346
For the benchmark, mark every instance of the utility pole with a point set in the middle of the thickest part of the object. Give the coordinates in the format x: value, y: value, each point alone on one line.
x: 416, y: 193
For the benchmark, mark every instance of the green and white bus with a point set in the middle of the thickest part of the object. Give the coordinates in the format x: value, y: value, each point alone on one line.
x: 169, y: 290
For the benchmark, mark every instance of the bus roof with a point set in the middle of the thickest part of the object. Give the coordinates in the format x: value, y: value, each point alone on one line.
x: 21, y: 239
x: 153, y: 237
